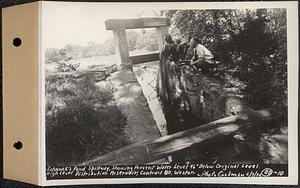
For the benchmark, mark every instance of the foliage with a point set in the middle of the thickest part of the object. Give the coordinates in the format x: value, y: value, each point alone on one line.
x: 82, y: 121
x: 249, y: 44
x: 147, y: 40
x: 64, y: 67
x: 55, y: 55
x: 136, y: 40
x: 132, y: 38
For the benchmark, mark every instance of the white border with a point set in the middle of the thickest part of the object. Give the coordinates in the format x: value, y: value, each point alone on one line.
x: 292, y: 41
x: 40, y: 94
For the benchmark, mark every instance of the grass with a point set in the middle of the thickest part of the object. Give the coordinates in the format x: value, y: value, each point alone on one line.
x: 82, y: 120
x: 100, y: 61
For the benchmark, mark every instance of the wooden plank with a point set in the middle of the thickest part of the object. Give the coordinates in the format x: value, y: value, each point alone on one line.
x: 146, y: 152
x: 144, y: 58
x: 135, y: 23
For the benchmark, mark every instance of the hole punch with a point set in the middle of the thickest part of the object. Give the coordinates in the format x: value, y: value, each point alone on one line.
x: 18, y: 145
x: 17, y: 42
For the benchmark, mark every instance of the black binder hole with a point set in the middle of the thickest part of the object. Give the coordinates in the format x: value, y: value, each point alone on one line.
x: 18, y: 145
x: 17, y: 42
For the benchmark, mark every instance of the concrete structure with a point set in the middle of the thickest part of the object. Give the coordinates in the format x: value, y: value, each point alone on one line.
x: 119, y: 27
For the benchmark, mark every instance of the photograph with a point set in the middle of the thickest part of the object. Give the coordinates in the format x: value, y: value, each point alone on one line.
x: 140, y: 86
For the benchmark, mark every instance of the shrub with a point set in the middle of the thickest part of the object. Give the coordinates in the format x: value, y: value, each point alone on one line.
x: 86, y: 124
x: 64, y: 67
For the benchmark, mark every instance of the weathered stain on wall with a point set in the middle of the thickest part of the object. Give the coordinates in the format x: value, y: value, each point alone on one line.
x: 203, y: 97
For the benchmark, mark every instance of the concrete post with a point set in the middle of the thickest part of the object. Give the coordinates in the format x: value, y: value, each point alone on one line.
x: 161, y: 31
x: 121, y: 46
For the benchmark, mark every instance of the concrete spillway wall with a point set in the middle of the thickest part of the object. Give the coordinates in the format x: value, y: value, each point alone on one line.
x: 191, y: 98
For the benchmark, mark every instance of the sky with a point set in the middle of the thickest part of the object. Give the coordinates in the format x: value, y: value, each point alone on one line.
x: 80, y: 23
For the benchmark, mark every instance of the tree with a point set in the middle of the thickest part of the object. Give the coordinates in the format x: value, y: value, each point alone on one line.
x: 249, y: 43
x: 132, y: 37
x: 55, y: 55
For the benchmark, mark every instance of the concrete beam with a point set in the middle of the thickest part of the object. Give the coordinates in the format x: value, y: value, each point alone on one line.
x: 144, y: 58
x: 135, y: 23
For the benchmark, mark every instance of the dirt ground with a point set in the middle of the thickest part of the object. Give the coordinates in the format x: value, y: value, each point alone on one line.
x: 141, y: 125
